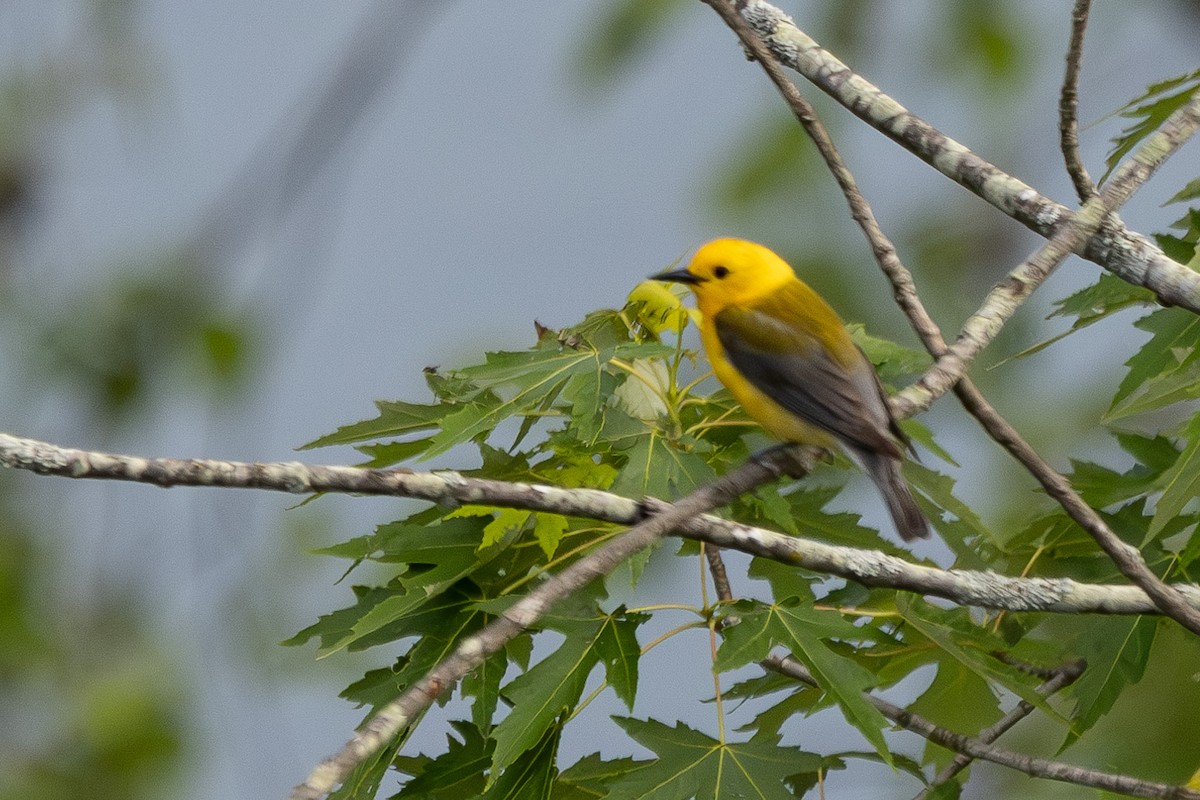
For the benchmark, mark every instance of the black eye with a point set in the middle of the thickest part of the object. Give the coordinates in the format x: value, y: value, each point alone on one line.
x: 720, y: 272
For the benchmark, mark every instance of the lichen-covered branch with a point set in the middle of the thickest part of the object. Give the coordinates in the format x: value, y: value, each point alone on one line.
x: 867, y: 567
x: 1006, y: 297
x: 1068, y: 105
x: 1126, y: 254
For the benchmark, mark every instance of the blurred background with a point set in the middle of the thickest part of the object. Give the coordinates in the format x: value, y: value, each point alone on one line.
x: 227, y: 228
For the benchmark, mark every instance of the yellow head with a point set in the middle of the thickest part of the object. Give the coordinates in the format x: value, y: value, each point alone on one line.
x: 728, y: 272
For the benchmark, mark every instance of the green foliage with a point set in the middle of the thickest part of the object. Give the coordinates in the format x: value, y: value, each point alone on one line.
x: 618, y: 403
x: 1148, y: 111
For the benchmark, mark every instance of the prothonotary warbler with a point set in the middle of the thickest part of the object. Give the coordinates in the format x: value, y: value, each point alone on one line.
x: 788, y: 359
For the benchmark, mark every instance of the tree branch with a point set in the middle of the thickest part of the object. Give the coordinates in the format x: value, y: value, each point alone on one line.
x: 1004, y: 299
x: 1126, y: 254
x: 1068, y: 105
x: 1059, y: 678
x: 867, y: 567
x: 976, y: 747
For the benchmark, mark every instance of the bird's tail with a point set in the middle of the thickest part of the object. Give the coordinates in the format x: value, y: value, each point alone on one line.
x: 885, y: 471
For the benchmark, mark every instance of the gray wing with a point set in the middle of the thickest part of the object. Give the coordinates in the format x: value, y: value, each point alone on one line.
x: 798, y: 374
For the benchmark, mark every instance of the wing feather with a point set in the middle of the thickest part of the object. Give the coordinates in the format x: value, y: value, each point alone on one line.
x: 789, y: 364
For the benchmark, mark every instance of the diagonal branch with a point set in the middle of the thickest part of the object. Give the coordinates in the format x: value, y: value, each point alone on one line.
x: 475, y: 649
x: 1126, y: 254
x: 976, y: 747
x: 867, y: 567
x: 1059, y: 678
x: 1068, y: 105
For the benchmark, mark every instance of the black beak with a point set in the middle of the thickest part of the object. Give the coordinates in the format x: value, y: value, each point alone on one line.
x: 676, y: 276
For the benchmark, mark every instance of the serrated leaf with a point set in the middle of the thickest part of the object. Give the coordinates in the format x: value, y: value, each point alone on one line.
x: 483, y: 684
x: 587, y: 396
x: 1117, y: 650
x: 963, y: 530
x: 1165, y: 369
x: 548, y: 530
x: 439, y: 556
x: 396, y: 418
x: 507, y: 522
x: 385, y: 454
x: 641, y: 395
x: 1190, y: 191
x: 534, y: 374
x: 531, y: 777
x: 890, y: 359
x: 618, y: 648
x: 1150, y: 110
x: 691, y: 765
x: 957, y: 637
x: 1107, y: 296
x: 957, y: 699
x: 802, y: 630
x: 1181, y: 483
x: 589, y: 777
x: 542, y: 693
x: 453, y: 775
x: 659, y: 468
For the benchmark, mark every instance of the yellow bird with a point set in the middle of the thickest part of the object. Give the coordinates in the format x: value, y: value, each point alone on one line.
x: 788, y: 359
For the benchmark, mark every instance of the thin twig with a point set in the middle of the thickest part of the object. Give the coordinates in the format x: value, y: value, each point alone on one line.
x: 867, y: 567
x: 1126, y: 254
x: 1068, y: 105
x: 1057, y: 679
x: 975, y: 747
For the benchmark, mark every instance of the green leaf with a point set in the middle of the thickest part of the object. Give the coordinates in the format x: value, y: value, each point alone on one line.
x: 962, y: 529
x: 587, y: 396
x: 438, y: 556
x: 618, y: 648
x: 691, y: 765
x: 455, y: 774
x: 892, y: 360
x: 661, y: 468
x: 958, y: 699
x: 1107, y: 296
x: 1181, y: 483
x: 1117, y: 650
x: 1183, y: 248
x: 1165, y: 370
x: 802, y: 629
x: 955, y: 635
x: 590, y: 777
x: 642, y: 394
x: 535, y: 374
x: 483, y: 684
x: 1150, y: 110
x: 545, y: 691
x: 395, y: 418
x: 532, y: 776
